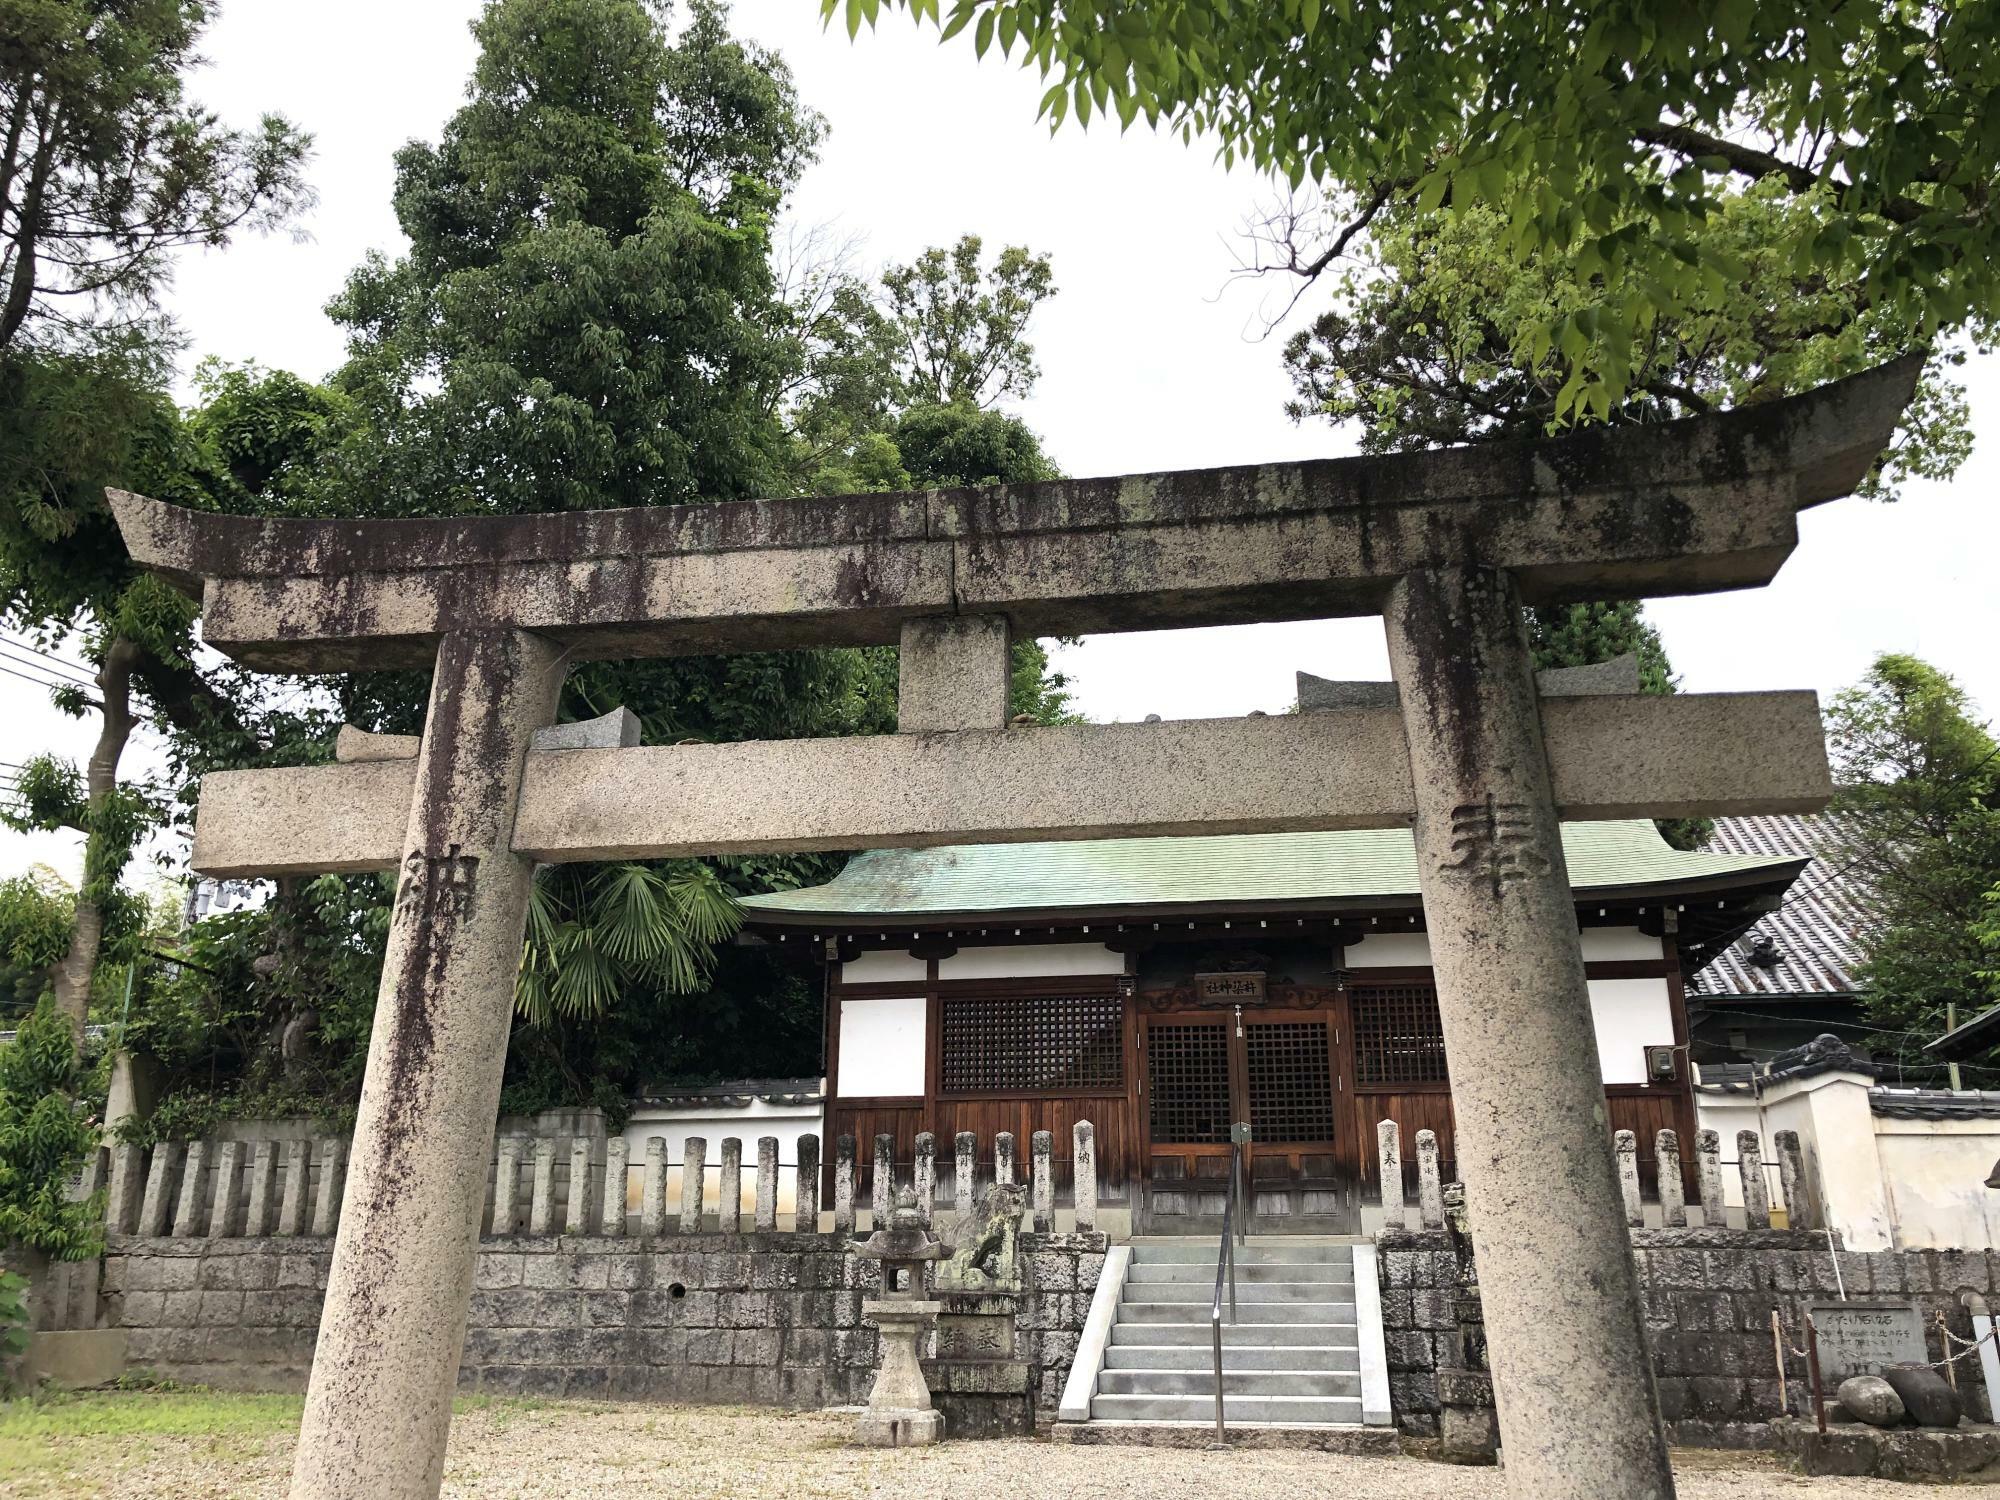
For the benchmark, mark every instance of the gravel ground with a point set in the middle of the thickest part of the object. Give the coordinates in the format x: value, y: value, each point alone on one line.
x: 573, y: 1451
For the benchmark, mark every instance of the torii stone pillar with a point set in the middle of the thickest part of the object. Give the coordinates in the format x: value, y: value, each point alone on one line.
x: 379, y: 1404
x: 1571, y: 1377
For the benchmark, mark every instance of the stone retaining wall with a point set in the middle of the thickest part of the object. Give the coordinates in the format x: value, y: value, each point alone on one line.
x: 1709, y: 1295
x: 772, y: 1318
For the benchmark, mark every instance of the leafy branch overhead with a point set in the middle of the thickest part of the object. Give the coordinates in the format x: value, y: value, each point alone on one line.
x: 1608, y: 136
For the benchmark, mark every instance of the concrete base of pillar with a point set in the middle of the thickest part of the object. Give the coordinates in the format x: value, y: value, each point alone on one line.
x: 891, y: 1427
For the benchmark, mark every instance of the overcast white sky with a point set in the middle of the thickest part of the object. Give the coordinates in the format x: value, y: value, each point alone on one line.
x: 1150, y: 356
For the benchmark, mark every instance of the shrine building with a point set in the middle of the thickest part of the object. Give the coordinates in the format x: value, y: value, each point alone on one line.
x: 1166, y: 988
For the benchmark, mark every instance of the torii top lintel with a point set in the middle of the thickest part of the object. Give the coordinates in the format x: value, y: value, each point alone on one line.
x: 1686, y: 507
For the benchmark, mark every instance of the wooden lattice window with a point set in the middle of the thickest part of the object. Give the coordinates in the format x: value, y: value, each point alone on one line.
x: 1398, y: 1037
x: 1050, y: 1044
x: 1291, y: 1081
x: 1187, y: 1082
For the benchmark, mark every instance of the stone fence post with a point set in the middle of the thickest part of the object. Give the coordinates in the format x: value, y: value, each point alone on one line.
x: 506, y: 1183
x: 965, y: 1166
x: 228, y: 1190
x: 1083, y: 1175
x: 1042, y: 1179
x: 576, y: 1212
x: 617, y: 1172
x: 923, y: 1175
x: 767, y: 1183
x: 332, y: 1185
x: 1626, y: 1143
x: 882, y: 1184
x: 263, y: 1190
x: 1792, y: 1179
x: 1003, y: 1157
x: 1389, y: 1168
x: 694, y: 1178
x: 805, y: 1191
x: 295, y: 1201
x: 1430, y: 1185
x: 188, y: 1216
x: 653, y: 1189
x: 1673, y: 1191
x: 1708, y: 1178
x: 729, y: 1195
x: 1756, y: 1192
x: 843, y: 1185
x: 128, y: 1185
x: 162, y: 1177
x: 542, y: 1197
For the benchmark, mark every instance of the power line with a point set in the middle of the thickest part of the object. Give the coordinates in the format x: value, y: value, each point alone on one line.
x: 42, y: 682
x: 61, y: 661
x: 33, y: 665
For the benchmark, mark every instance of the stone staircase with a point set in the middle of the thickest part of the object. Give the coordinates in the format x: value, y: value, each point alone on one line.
x: 1293, y: 1357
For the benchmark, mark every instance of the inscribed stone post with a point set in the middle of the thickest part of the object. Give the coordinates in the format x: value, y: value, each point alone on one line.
x: 128, y: 1186
x: 1673, y: 1188
x: 729, y: 1190
x: 262, y: 1197
x: 1003, y: 1157
x: 576, y: 1212
x: 332, y: 1186
x: 1389, y: 1168
x: 923, y: 1175
x: 542, y: 1199
x: 964, y: 1167
x: 1708, y: 1178
x: 400, y: 1285
x: 1792, y: 1178
x: 1571, y: 1376
x: 611, y: 1210
x: 843, y: 1185
x: 1430, y: 1181
x: 883, y: 1180
x: 295, y: 1201
x: 191, y: 1209
x: 653, y: 1189
x: 1626, y: 1144
x: 1083, y: 1174
x: 805, y: 1189
x: 767, y: 1183
x: 227, y: 1195
x: 1042, y: 1184
x: 694, y: 1178
x: 1756, y: 1191
x: 506, y: 1183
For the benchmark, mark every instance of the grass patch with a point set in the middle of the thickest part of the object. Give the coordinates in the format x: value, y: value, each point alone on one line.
x: 179, y: 1413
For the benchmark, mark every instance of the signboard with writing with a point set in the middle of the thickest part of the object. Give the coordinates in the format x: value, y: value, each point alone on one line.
x: 1859, y: 1338
x: 1229, y: 989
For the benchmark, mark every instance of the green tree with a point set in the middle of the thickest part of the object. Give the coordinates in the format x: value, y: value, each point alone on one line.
x: 45, y: 1135
x: 1603, y: 135
x: 1917, y: 823
x: 1432, y: 338
x: 106, y: 170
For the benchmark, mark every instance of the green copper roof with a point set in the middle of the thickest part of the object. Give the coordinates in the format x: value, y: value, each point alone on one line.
x: 1230, y: 869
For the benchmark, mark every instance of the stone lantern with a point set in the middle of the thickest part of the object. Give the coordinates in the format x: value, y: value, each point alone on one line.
x: 900, y: 1414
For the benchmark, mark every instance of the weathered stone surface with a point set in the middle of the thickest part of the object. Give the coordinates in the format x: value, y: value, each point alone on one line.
x: 1870, y: 1399
x: 805, y: 1194
x: 1600, y: 513
x: 1611, y: 758
x: 1926, y: 1397
x: 954, y: 672
x: 1570, y: 1371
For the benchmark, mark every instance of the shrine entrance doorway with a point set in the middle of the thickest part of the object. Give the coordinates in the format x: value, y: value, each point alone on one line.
x: 1279, y: 1066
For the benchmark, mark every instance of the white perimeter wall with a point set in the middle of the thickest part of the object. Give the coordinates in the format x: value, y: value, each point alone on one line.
x: 714, y: 1123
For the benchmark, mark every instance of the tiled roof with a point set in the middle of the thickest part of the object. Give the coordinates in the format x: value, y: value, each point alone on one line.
x: 1814, y: 932
x: 1219, y: 871
x: 1933, y: 1104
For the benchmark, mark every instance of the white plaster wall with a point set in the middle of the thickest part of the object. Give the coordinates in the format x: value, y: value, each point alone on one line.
x: 788, y: 1122
x: 1935, y: 1172
x: 884, y: 967
x: 1021, y: 962
x: 1618, y: 944
x: 1389, y: 950
x: 881, y: 1048
x: 1630, y: 1015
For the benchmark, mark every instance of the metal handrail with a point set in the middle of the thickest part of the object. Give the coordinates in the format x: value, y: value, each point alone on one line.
x: 1225, y: 1261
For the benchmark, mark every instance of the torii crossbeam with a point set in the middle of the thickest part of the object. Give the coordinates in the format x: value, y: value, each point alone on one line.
x: 1445, y: 545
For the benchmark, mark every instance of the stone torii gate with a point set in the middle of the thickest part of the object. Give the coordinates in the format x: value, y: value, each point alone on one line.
x: 1447, y: 546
